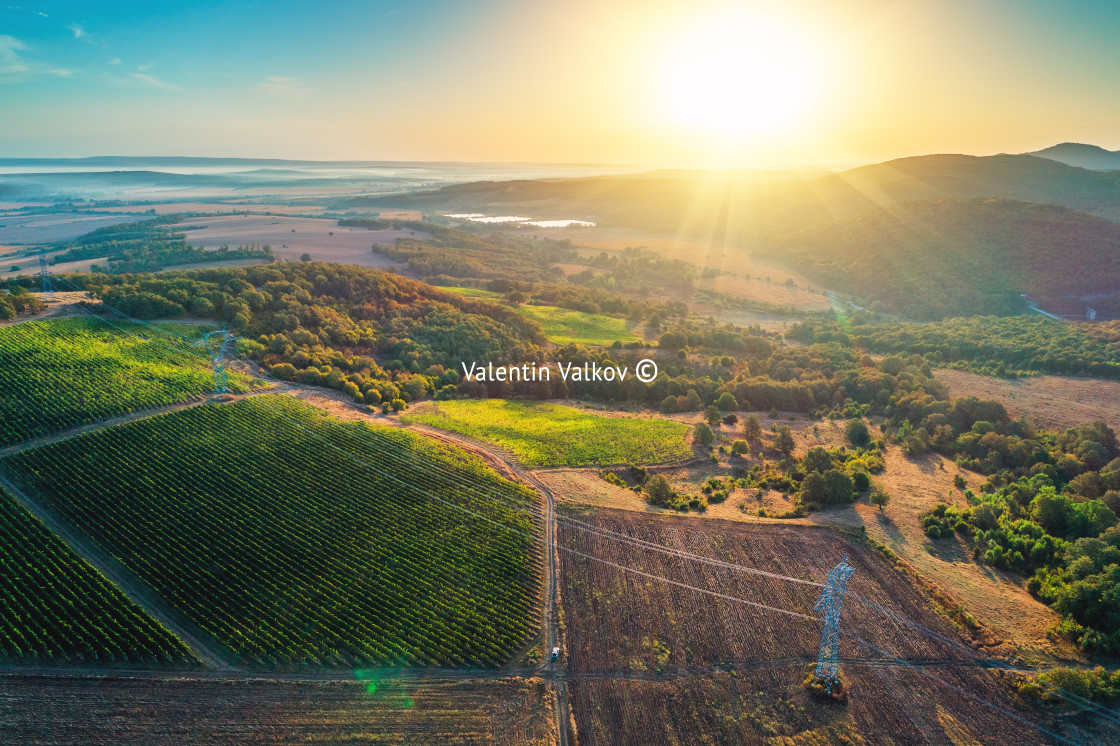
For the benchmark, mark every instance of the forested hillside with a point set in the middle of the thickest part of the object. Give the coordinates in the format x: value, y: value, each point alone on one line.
x: 930, y: 259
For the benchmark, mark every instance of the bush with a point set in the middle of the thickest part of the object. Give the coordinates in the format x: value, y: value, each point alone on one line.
x: 384, y: 407
x: 727, y: 403
x: 740, y: 448
x: 397, y: 404
x: 658, y: 491
x: 669, y: 405
x: 857, y: 433
x: 703, y: 434
x: 861, y: 480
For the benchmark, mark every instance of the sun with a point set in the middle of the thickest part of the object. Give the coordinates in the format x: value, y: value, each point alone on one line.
x: 738, y: 75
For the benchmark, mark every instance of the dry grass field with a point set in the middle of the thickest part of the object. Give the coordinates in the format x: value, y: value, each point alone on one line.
x: 1049, y: 402
x: 291, y: 237
x: 18, y: 228
x: 997, y: 599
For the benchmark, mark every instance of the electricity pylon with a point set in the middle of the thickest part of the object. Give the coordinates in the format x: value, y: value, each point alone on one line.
x: 44, y: 274
x: 830, y: 602
x: 218, y: 357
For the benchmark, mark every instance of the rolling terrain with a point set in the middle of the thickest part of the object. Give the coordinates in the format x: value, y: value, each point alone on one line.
x: 932, y: 259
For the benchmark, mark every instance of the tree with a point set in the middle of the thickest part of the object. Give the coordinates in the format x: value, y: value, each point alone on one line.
x: 880, y: 498
x: 703, y: 434
x: 857, y: 433
x: 841, y: 489
x: 711, y: 414
x: 669, y: 405
x: 693, y: 401
x: 740, y: 448
x: 730, y: 419
x: 817, y: 459
x: 727, y: 402
x: 658, y: 490
x: 397, y: 404
x: 752, y: 428
x: 784, y: 442
x: 305, y: 257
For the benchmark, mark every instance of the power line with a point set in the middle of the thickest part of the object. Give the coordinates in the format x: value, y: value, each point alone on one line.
x: 690, y: 556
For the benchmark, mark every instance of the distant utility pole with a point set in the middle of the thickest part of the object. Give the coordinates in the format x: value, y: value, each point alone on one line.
x: 218, y: 357
x: 830, y: 602
x: 45, y: 275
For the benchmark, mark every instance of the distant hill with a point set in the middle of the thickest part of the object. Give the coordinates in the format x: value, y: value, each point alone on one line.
x: 930, y: 259
x: 747, y: 211
x: 1082, y: 156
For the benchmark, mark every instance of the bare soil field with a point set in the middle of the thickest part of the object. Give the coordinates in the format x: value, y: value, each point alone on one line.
x: 1048, y: 402
x: 998, y: 600
x: 111, y: 710
x: 735, y: 669
x: 292, y: 237
x: 40, y: 229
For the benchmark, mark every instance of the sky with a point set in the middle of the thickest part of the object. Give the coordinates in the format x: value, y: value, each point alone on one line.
x: 701, y: 83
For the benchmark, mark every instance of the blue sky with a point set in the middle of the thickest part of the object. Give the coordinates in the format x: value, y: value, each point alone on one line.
x: 541, y: 80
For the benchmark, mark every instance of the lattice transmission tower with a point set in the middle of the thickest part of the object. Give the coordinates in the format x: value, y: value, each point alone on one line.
x: 830, y: 602
x: 45, y: 275
x: 218, y: 357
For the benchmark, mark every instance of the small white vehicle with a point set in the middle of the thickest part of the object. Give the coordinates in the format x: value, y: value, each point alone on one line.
x: 555, y: 654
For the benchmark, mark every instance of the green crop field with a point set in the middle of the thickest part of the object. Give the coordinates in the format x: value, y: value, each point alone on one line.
x: 562, y: 326
x: 554, y: 435
x: 297, y: 539
x: 66, y: 372
x: 472, y: 292
x: 55, y: 608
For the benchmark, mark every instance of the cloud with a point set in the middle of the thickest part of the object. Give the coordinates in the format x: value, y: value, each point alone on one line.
x: 280, y: 85
x: 152, y: 80
x: 115, y: 61
x: 14, y: 65
x: 77, y: 30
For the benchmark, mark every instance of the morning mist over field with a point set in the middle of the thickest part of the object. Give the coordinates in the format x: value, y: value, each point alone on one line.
x: 560, y: 373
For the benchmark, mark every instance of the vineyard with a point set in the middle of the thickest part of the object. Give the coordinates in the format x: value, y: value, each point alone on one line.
x: 55, y: 608
x: 295, y: 539
x: 702, y: 664
x: 62, y: 373
x: 555, y: 435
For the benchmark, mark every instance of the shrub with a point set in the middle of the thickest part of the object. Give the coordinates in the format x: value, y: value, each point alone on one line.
x: 740, y: 448
x: 703, y: 434
x: 397, y: 404
x: 857, y: 433
x: 669, y: 405
x: 727, y: 402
